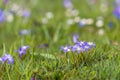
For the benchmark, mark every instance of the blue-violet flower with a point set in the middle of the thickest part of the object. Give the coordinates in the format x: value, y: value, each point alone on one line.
x: 8, y: 58
x: 22, y: 50
x: 79, y: 46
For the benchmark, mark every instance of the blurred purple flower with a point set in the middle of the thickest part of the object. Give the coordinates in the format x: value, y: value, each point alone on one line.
x: 24, y: 32
x: 8, y: 58
x: 65, y: 49
x: 67, y: 3
x: 83, y: 46
x: 79, y: 46
x: 2, y: 16
x: 116, y: 12
x: 75, y: 38
x: 22, y: 50
x: 26, y: 13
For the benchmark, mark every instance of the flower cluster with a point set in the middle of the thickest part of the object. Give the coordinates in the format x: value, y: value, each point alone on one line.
x: 7, y: 15
x: 79, y: 46
x: 19, y: 10
x: 22, y: 50
x: 48, y: 16
x: 73, y: 17
x: 8, y: 58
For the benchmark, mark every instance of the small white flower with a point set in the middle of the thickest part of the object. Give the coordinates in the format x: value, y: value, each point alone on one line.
x: 70, y: 21
x: 44, y: 20
x: 68, y: 13
x: 9, y: 17
x: 101, y: 31
x: 91, y: 44
x: 99, y: 23
x: 90, y: 21
x: 15, y: 7
x: 77, y: 19
x: 19, y: 12
x: 67, y: 49
x: 75, y: 12
x: 49, y: 15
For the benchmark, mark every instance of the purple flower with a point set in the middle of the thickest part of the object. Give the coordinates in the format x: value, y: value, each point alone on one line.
x: 8, y: 58
x: 116, y: 12
x: 75, y: 38
x: 74, y: 47
x: 79, y: 46
x: 2, y: 16
x: 26, y: 13
x: 65, y: 49
x: 81, y: 43
x: 22, y: 50
x: 67, y: 3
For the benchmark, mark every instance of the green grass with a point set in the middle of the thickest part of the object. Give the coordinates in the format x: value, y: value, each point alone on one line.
x: 49, y: 63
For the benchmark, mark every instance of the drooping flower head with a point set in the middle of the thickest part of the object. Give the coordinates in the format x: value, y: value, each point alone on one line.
x: 2, y: 16
x: 75, y: 38
x: 22, y: 50
x: 8, y: 58
x: 116, y: 12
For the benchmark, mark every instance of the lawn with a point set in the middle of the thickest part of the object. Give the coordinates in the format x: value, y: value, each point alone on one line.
x: 60, y: 40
